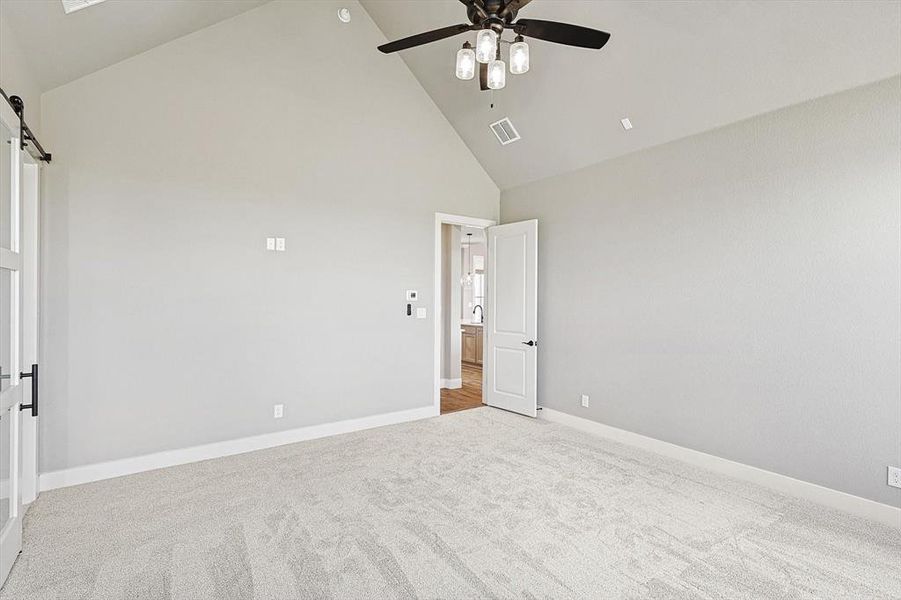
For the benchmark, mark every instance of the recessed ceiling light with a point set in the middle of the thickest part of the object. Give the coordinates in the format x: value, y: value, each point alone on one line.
x: 71, y: 6
x: 627, y: 124
x: 344, y: 15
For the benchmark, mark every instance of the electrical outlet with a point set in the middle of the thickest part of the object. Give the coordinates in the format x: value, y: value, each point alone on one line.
x: 894, y: 477
x: 270, y: 244
x: 278, y: 411
x: 279, y: 244
x: 585, y: 400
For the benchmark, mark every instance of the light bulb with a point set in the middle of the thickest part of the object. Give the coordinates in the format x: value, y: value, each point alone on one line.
x: 466, y: 62
x: 486, y: 45
x: 519, y: 56
x: 497, y: 75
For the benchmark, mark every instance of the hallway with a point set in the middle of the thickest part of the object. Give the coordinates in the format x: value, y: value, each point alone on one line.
x: 468, y: 396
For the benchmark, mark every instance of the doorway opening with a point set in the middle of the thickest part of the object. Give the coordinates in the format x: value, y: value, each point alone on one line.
x: 504, y: 298
x: 460, y: 291
x: 463, y: 297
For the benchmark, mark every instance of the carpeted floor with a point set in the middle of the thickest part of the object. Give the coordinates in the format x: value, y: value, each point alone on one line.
x: 476, y: 504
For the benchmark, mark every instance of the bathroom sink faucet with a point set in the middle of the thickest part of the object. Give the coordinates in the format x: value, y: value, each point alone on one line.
x: 481, y: 313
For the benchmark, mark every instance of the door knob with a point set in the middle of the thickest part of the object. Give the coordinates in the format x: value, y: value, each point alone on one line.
x: 531, y: 343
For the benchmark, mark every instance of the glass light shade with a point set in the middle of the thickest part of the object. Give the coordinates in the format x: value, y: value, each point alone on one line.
x: 466, y: 63
x: 519, y: 58
x: 486, y: 46
x: 497, y: 75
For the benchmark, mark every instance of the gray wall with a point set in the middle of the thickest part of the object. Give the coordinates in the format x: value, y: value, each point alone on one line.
x: 736, y: 292
x: 167, y: 324
x: 15, y: 73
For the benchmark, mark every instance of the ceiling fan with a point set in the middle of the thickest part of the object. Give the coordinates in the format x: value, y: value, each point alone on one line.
x: 491, y: 18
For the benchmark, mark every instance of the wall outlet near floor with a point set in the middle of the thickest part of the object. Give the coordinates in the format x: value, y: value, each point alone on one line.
x: 894, y: 476
x: 585, y: 401
x: 278, y: 411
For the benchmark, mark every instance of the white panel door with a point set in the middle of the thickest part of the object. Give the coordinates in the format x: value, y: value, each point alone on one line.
x: 511, y: 321
x: 10, y: 341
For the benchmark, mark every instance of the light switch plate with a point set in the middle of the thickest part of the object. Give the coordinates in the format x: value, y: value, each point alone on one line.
x: 270, y: 243
x: 894, y: 477
x: 420, y: 313
x: 279, y: 244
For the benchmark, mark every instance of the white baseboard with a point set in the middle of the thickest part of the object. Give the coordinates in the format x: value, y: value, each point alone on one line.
x: 862, y: 507
x: 452, y: 384
x: 171, y: 458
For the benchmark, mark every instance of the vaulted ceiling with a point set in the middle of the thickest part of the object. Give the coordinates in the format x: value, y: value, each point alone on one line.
x: 61, y: 48
x: 674, y: 68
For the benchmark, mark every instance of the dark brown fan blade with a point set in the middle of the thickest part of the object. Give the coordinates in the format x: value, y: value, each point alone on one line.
x: 424, y: 38
x: 562, y: 33
x: 483, y: 76
x: 478, y: 5
x: 512, y: 5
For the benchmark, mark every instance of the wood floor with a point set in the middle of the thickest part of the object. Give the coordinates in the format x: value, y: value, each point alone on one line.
x: 468, y: 396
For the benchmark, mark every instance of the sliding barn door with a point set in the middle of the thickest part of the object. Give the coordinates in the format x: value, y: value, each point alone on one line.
x: 10, y: 341
x: 511, y: 321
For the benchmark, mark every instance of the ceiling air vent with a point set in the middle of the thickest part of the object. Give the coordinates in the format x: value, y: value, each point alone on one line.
x: 505, y: 132
x: 71, y: 6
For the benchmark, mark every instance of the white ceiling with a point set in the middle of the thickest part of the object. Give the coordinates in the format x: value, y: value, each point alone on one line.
x: 478, y: 235
x: 675, y: 68
x: 61, y: 48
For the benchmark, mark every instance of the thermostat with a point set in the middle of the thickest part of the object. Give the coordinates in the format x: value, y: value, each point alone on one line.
x: 412, y: 295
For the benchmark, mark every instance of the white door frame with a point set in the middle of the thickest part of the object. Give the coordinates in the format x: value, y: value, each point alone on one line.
x: 30, y: 282
x: 437, y: 313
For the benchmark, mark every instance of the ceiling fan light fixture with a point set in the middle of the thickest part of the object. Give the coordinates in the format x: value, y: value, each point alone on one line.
x: 490, y: 19
x: 519, y: 56
x: 497, y: 75
x: 486, y: 45
x: 466, y: 62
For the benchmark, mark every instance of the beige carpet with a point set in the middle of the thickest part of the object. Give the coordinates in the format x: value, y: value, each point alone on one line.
x: 476, y: 504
